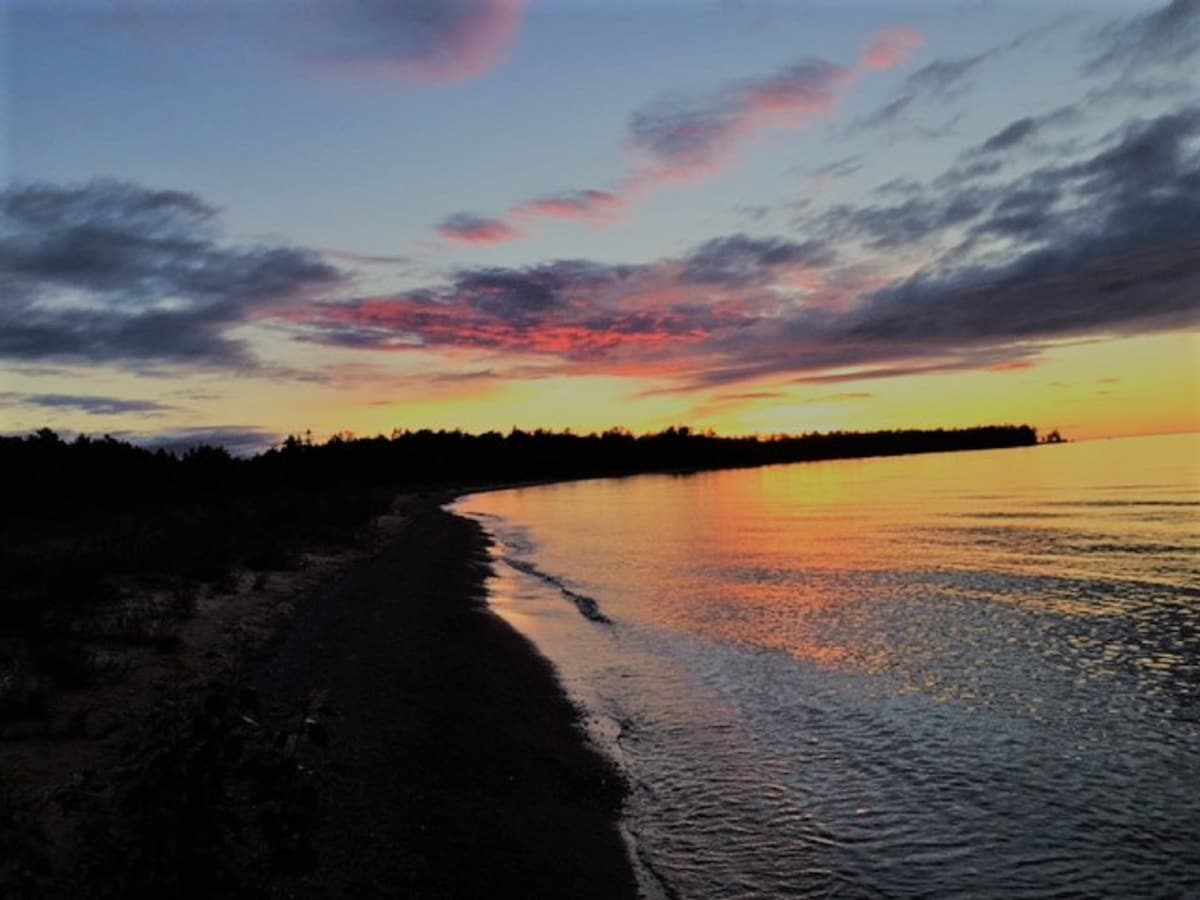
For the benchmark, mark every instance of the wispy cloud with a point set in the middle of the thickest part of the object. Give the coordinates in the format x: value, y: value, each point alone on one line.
x: 891, y: 48
x: 92, y: 405
x: 939, y: 83
x: 681, y: 138
x: 686, y: 137
x: 423, y: 40
x: 586, y: 205
x: 467, y: 228
x: 240, y: 440
x: 1163, y: 38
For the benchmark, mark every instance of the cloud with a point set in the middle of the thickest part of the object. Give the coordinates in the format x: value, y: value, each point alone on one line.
x: 575, y: 309
x: 97, y: 406
x: 1021, y: 132
x: 751, y: 395
x: 586, y: 205
x: 910, y: 221
x: 114, y: 272
x: 890, y: 113
x: 1165, y: 38
x: 467, y: 228
x: 680, y: 138
x: 940, y: 83
x: 1016, y: 133
x: 1088, y: 248
x: 239, y: 440
x: 891, y: 48
x: 1119, y: 255
x: 739, y: 261
x: 948, y: 79
x: 844, y: 396
x: 688, y: 137
x: 570, y: 309
x: 424, y: 40
x: 415, y: 41
x: 841, y: 168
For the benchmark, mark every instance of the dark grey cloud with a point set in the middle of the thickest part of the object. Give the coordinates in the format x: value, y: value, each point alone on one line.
x: 93, y: 405
x: 754, y: 212
x: 114, y: 272
x: 938, y: 82
x: 948, y: 79
x: 1165, y: 38
x: 967, y: 171
x: 1022, y: 132
x: 523, y: 296
x: 469, y: 228
x: 899, y: 186
x: 941, y: 83
x: 1141, y: 163
x: 741, y: 261
x: 909, y: 221
x: 887, y: 115
x: 1104, y: 246
x: 239, y: 440
x: 1016, y: 133
x: 841, y: 168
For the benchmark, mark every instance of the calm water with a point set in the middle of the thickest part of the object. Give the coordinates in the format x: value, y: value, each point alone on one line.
x: 971, y: 674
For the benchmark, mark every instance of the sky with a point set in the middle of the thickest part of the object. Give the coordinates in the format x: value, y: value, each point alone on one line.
x: 237, y: 221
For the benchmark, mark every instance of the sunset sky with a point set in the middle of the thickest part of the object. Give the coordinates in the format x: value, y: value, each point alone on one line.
x: 236, y: 221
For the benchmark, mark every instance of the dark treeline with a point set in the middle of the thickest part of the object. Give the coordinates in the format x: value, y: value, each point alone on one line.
x: 45, y: 473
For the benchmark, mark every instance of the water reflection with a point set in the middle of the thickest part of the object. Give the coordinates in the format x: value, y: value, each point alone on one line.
x: 972, y: 673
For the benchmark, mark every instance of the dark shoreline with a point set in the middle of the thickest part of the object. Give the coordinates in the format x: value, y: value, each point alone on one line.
x: 456, y: 765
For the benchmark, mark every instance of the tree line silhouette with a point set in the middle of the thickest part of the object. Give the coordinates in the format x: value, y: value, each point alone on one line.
x: 47, y: 474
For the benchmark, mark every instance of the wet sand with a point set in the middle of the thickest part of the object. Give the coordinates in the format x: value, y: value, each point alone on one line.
x: 455, y: 766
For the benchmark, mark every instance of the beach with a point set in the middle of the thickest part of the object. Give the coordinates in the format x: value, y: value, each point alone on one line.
x: 393, y: 738
x: 456, y: 766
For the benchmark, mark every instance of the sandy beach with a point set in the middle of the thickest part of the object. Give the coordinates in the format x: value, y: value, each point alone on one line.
x: 413, y: 741
x: 456, y: 766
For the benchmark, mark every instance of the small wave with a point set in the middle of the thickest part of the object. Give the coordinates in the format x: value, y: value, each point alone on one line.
x: 587, y: 607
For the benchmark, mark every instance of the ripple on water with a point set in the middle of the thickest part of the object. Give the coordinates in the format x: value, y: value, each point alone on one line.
x: 873, y: 679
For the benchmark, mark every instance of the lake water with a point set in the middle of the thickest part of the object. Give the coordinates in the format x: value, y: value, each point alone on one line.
x: 971, y: 674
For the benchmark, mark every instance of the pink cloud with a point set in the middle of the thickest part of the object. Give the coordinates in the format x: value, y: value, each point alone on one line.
x: 678, y: 140
x: 422, y: 40
x: 464, y: 228
x: 403, y: 323
x: 586, y: 206
x: 891, y: 48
